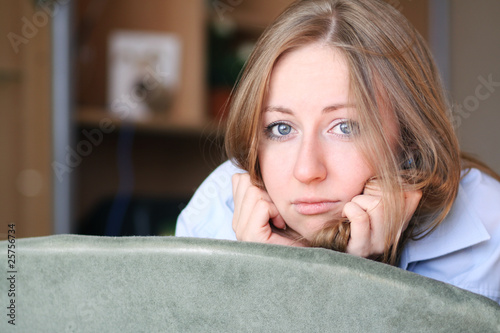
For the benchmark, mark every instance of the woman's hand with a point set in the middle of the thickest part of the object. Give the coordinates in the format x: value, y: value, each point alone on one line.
x: 253, y: 210
x: 366, y: 214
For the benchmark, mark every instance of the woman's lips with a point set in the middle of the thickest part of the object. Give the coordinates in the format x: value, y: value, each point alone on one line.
x: 309, y: 207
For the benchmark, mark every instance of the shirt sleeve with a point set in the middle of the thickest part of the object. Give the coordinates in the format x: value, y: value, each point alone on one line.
x: 209, y: 213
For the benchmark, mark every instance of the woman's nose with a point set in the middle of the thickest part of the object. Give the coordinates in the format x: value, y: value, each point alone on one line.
x: 310, y: 164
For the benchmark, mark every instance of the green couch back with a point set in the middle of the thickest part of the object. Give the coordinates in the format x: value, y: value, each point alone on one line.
x: 70, y: 283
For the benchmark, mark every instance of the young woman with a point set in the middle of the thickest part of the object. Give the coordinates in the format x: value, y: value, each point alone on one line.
x: 339, y: 136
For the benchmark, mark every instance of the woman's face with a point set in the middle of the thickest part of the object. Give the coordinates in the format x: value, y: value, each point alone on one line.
x: 309, y: 162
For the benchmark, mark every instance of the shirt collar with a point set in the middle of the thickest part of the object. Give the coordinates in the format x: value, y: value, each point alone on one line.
x: 461, y: 228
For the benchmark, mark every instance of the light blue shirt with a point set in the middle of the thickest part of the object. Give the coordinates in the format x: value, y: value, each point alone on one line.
x: 464, y: 250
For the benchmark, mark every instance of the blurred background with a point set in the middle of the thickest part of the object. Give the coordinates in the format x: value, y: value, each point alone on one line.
x: 111, y: 110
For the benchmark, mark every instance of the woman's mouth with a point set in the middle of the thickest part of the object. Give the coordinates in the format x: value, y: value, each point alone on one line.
x: 313, y: 207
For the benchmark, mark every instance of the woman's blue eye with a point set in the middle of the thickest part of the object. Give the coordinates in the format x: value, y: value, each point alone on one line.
x: 278, y: 131
x: 283, y: 129
x: 345, y: 128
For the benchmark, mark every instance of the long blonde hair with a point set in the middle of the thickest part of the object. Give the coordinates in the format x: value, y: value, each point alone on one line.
x: 391, y: 69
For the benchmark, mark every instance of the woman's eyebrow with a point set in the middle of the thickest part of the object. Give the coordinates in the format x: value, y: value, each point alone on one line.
x: 335, y: 107
x: 278, y: 109
x: 327, y: 109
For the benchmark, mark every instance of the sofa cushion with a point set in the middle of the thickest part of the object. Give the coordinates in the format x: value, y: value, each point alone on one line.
x: 71, y: 283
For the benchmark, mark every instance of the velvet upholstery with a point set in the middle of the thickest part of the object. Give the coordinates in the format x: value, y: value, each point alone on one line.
x: 70, y: 283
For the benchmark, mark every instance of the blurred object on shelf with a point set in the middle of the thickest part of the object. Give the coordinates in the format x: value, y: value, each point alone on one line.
x: 144, y: 73
x: 229, y: 49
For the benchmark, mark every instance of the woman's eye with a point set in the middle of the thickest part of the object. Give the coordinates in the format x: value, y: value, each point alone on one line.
x: 282, y: 129
x: 278, y: 130
x: 345, y: 128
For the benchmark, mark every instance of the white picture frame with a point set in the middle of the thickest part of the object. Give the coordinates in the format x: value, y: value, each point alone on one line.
x: 141, y: 65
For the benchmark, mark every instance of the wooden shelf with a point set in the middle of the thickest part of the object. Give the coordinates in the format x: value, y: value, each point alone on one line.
x: 185, y: 144
x: 10, y: 75
x: 92, y: 116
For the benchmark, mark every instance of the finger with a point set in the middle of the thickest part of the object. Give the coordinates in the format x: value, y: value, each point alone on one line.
x: 240, y: 185
x: 251, y: 223
x: 248, y: 197
x: 253, y: 210
x: 368, y: 202
x: 412, y: 199
x: 360, y: 240
x: 257, y: 228
x: 235, y: 179
x: 254, y: 222
x: 374, y: 208
x: 277, y: 220
x: 372, y: 187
